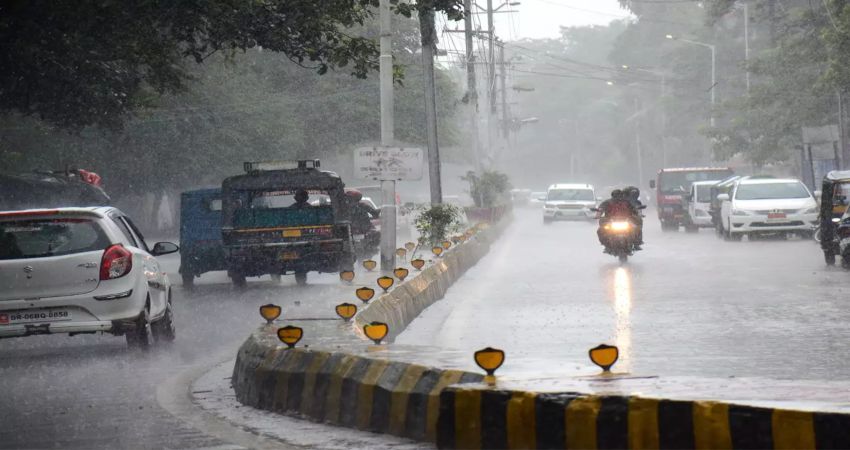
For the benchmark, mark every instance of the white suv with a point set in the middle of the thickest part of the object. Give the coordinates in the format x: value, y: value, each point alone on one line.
x: 768, y: 206
x: 82, y: 270
x: 569, y: 202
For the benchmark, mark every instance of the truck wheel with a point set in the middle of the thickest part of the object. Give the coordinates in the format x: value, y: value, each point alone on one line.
x: 238, y: 279
x: 301, y: 278
x: 829, y: 257
x: 188, y: 280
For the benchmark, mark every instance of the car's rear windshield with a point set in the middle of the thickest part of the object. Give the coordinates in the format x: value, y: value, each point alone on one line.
x: 38, y: 238
x: 771, y: 191
x: 584, y: 195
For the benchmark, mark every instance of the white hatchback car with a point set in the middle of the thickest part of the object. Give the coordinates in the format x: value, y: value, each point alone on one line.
x: 569, y: 202
x: 82, y: 270
x: 768, y: 206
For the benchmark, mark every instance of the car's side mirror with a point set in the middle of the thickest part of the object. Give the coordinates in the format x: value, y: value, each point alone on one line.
x: 164, y: 248
x: 652, y: 184
x: 723, y: 197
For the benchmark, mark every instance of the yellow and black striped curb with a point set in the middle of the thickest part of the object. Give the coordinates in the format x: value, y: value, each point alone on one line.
x: 474, y: 417
x: 342, y: 387
x: 377, y: 395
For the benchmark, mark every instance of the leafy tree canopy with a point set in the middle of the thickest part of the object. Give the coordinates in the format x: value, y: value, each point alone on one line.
x: 73, y: 63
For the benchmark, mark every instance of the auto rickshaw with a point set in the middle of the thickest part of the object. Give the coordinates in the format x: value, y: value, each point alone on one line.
x: 285, y: 218
x: 834, y: 198
x: 201, y: 248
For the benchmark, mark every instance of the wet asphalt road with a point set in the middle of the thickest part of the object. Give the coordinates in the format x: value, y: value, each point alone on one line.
x: 91, y: 392
x: 688, y: 305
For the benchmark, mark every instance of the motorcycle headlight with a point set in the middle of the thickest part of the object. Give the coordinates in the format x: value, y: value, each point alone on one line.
x: 740, y: 212
x: 619, y: 226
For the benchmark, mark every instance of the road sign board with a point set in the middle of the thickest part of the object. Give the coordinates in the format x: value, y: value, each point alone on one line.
x: 388, y: 163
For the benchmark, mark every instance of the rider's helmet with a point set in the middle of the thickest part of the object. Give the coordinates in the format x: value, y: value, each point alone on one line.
x: 632, y: 192
x: 616, y: 193
x: 354, y: 195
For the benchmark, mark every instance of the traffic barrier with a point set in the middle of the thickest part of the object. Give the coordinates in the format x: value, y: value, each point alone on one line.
x: 332, y: 382
x: 474, y: 416
x: 369, y: 393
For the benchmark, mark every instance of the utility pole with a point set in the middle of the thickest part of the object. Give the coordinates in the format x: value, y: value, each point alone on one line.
x: 637, y: 142
x: 491, y: 73
x: 747, y: 44
x: 388, y: 204
x: 502, y: 74
x: 428, y: 38
x: 471, y: 88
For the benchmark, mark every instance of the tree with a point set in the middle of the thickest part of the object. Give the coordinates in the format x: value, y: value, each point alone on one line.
x: 74, y: 63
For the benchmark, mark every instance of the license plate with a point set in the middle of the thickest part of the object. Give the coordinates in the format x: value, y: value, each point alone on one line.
x: 288, y: 256
x: 776, y: 216
x: 35, y: 316
x: 291, y: 233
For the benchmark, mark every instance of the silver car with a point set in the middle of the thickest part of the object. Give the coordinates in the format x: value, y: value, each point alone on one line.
x: 82, y: 270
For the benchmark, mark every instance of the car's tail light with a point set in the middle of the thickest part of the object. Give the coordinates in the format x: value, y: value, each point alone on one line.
x: 116, y: 262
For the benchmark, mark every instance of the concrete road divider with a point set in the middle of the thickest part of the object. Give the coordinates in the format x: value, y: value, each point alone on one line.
x: 369, y: 393
x: 336, y: 381
x: 476, y: 416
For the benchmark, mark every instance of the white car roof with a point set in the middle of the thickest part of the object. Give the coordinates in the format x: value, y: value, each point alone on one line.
x: 705, y: 183
x: 767, y: 180
x: 100, y: 211
x: 571, y: 186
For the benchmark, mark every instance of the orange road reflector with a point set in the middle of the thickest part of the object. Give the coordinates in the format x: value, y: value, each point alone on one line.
x: 489, y: 359
x: 346, y: 311
x: 290, y: 335
x: 410, y: 246
x: 270, y: 312
x: 604, y: 356
x: 401, y: 273
x: 401, y: 252
x: 437, y: 251
x: 446, y: 244
x: 370, y: 264
x: 346, y: 275
x: 386, y: 283
x: 376, y: 331
x: 365, y: 294
x: 418, y: 263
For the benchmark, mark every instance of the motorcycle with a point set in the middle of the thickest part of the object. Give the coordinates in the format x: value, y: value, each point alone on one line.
x: 619, y: 235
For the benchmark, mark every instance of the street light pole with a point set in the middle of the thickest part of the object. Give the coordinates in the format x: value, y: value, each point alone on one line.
x: 388, y: 205
x: 713, y: 69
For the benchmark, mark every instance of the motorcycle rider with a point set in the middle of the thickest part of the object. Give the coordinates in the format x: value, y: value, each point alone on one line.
x: 362, y: 213
x: 632, y: 194
x: 616, y: 206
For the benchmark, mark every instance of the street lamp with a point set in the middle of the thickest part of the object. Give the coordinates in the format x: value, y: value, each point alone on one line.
x: 713, y: 69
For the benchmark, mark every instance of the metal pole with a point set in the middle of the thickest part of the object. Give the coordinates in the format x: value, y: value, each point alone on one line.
x: 502, y: 75
x: 426, y: 29
x: 842, y: 134
x: 491, y: 34
x: 637, y: 142
x: 747, y: 44
x: 388, y: 204
x: 471, y: 88
x: 713, y: 82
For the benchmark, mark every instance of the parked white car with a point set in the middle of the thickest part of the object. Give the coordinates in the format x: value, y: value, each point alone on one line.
x: 82, y: 270
x: 569, y: 202
x: 768, y: 206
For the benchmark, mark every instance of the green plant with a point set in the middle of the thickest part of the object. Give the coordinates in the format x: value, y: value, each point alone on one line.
x: 489, y: 189
x: 434, y: 224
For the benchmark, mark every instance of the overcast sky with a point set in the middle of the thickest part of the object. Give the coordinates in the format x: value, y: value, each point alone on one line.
x: 543, y: 18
